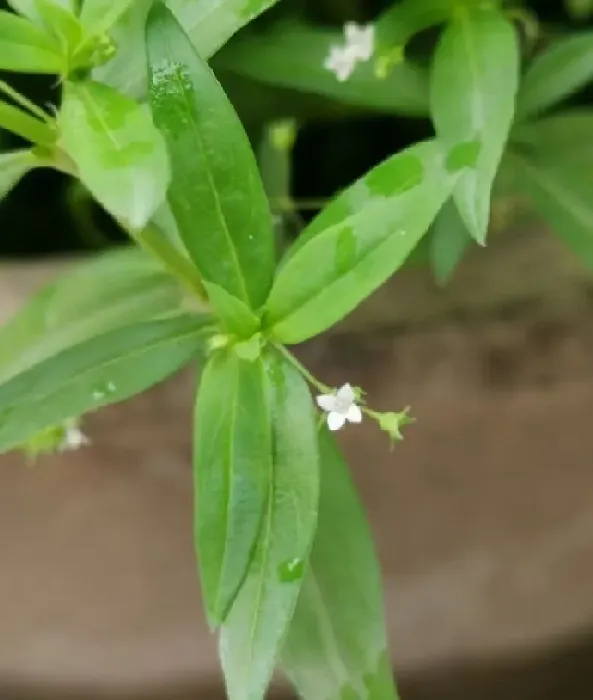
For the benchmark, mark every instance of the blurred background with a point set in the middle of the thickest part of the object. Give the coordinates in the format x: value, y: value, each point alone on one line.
x: 483, y: 516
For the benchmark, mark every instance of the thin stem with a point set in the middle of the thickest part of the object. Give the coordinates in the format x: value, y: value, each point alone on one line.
x: 25, y: 102
x: 323, y: 388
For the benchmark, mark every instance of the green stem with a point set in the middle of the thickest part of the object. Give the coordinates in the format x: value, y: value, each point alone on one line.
x: 323, y: 388
x: 25, y: 102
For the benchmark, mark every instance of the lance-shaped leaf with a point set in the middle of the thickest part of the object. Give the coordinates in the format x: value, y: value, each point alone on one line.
x: 357, y: 243
x: 561, y: 194
x: 232, y: 466
x: 558, y: 72
x: 13, y: 166
x: 473, y: 86
x: 291, y: 55
x: 216, y: 193
x: 19, y: 122
x: 252, y: 634
x: 208, y: 23
x: 111, y: 291
x: 26, y: 48
x: 336, y: 646
x: 450, y: 240
x: 120, y: 155
x: 98, y: 372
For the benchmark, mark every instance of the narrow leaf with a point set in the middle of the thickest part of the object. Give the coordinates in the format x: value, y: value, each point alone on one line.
x: 336, y: 646
x: 556, y: 74
x: 109, y: 292
x: 357, y: 243
x: 473, y: 86
x: 30, y: 8
x: 105, y: 370
x: 26, y: 48
x: 232, y: 465
x: 216, y: 194
x: 19, y: 122
x: 561, y: 194
x: 14, y: 166
x: 120, y: 155
x: 61, y: 22
x: 252, y: 634
x: 291, y: 55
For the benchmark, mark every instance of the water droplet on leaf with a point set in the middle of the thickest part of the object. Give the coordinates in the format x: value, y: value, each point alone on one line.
x: 291, y: 570
x: 396, y: 176
x: 345, y: 250
x: 463, y: 155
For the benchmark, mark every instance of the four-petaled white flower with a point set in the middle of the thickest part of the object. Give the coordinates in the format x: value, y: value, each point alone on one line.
x: 340, y: 61
x: 74, y: 438
x: 358, y: 47
x: 340, y: 407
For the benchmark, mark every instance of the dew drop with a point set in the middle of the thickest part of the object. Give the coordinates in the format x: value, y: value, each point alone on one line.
x: 395, y: 176
x: 291, y: 570
x: 463, y: 155
x: 102, y: 391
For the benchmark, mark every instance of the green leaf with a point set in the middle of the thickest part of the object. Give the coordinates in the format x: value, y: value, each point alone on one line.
x: 30, y: 8
x: 561, y: 194
x: 565, y: 136
x: 26, y: 48
x: 357, y: 243
x: 104, y: 370
x: 556, y: 73
x: 232, y: 465
x: 236, y: 317
x: 97, y: 16
x: 14, y: 166
x: 292, y: 54
x: 255, y: 628
x: 336, y: 646
x: 208, y: 23
x: 450, y: 239
x: 398, y: 24
x: 61, y: 22
x: 120, y: 155
x: 109, y: 292
x: 216, y: 193
x: 473, y: 86
x: 19, y: 122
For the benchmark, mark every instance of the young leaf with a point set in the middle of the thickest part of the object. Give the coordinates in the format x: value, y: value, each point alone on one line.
x: 557, y: 73
x: 357, y: 243
x: 473, y: 86
x: 561, y: 194
x: 336, y: 646
x: 98, y: 16
x: 109, y: 292
x: 14, y: 166
x: 19, y: 122
x: 30, y: 8
x: 26, y: 48
x: 104, y: 370
x: 236, y: 317
x: 398, y: 24
x: 120, y: 155
x: 292, y: 55
x: 61, y: 22
x: 216, y: 193
x: 232, y: 466
x: 450, y: 239
x: 252, y: 634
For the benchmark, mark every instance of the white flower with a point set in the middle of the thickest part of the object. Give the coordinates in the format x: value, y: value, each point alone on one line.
x: 359, y: 46
x: 340, y: 407
x: 360, y: 40
x: 340, y: 61
x: 74, y: 438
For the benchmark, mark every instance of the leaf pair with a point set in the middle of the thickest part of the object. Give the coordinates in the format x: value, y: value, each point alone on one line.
x: 257, y: 465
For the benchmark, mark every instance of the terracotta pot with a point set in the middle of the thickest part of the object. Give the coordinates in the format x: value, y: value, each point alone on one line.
x: 482, y: 516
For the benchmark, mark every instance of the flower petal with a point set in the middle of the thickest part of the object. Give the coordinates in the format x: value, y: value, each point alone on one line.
x: 345, y: 394
x: 354, y: 414
x: 335, y: 420
x: 326, y: 402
